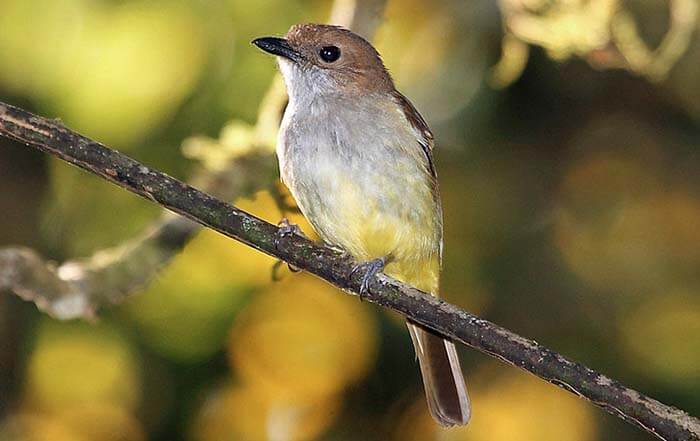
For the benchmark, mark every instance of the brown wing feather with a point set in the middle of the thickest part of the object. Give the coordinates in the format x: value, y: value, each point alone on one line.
x: 425, y: 136
x: 426, y: 142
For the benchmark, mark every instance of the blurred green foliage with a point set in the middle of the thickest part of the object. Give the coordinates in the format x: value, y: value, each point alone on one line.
x: 572, y: 215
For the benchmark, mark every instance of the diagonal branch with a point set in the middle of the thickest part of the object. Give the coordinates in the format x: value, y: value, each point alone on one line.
x: 664, y: 421
x: 78, y: 288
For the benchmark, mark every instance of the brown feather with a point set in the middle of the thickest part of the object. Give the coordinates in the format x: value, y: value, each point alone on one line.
x: 425, y: 136
x: 444, y: 385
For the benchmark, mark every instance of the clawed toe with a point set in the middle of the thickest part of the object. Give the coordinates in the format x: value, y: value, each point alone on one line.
x: 285, y: 229
x: 369, y: 269
x: 276, y: 275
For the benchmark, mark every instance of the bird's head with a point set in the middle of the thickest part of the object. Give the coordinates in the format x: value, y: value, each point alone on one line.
x: 320, y: 59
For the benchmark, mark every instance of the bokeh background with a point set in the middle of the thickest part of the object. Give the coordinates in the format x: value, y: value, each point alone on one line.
x: 568, y: 135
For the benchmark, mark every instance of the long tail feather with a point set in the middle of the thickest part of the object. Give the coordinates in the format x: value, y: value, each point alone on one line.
x: 445, y: 389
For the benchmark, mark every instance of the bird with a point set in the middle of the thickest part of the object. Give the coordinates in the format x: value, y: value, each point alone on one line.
x: 357, y: 158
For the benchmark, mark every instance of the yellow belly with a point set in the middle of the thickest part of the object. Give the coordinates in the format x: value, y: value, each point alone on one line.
x: 400, y: 220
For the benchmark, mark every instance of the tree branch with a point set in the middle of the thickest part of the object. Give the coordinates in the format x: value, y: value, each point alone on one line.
x: 664, y: 421
x: 78, y: 288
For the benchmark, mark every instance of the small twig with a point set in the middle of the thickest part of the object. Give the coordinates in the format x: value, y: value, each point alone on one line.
x: 664, y: 421
x: 79, y: 288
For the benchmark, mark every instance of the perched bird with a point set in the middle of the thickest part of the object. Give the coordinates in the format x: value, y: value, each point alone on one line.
x: 357, y: 158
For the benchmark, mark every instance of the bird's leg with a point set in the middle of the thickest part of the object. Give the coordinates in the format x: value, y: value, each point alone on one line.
x: 286, y: 228
x: 369, y: 269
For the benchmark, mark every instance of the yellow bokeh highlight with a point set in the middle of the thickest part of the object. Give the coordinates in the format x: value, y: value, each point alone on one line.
x: 38, y: 427
x: 303, y: 340
x: 138, y: 63
x: 81, y: 365
x: 38, y: 69
x: 241, y: 413
x: 82, y: 382
x: 565, y: 28
x: 511, y: 405
x: 185, y: 313
x: 660, y: 337
x: 101, y: 422
x: 113, y: 72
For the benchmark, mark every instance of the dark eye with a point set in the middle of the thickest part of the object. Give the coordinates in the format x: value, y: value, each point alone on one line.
x: 329, y: 54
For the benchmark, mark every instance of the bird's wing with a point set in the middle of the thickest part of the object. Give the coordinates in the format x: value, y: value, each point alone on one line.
x: 426, y: 141
x: 420, y: 127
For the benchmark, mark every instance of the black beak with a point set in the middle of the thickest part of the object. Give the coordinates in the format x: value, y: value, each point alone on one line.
x: 277, y: 46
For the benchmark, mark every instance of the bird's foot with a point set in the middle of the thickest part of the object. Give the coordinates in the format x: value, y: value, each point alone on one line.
x: 285, y: 229
x: 369, y: 269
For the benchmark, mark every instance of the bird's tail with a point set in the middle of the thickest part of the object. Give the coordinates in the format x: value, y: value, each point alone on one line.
x: 444, y: 384
x: 445, y: 389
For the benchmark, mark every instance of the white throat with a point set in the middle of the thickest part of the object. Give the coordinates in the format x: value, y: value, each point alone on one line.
x: 305, y: 83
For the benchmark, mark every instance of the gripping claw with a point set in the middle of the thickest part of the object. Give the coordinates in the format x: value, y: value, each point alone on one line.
x: 286, y: 228
x: 369, y: 269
